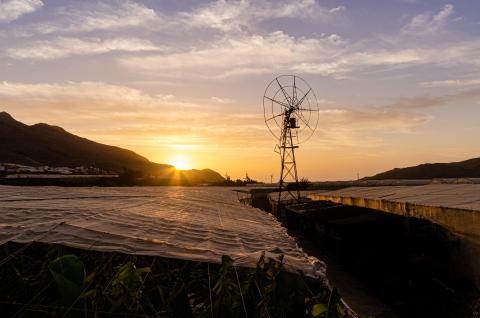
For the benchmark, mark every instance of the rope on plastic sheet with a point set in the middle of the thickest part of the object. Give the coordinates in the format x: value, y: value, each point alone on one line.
x: 143, y: 283
x: 240, y: 289
x: 210, y: 289
x: 260, y: 293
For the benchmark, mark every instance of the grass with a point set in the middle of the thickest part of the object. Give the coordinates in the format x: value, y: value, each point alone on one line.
x: 45, y: 280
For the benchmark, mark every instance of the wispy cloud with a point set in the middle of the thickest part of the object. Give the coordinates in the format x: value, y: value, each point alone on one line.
x: 222, y: 100
x: 71, y: 94
x: 426, y: 102
x: 98, y: 16
x: 241, y: 53
x: 452, y: 83
x: 277, y: 51
x: 90, y: 95
x: 240, y: 56
x: 372, y: 119
x: 220, y: 15
x: 63, y: 47
x: 11, y: 10
x: 426, y: 23
x: 244, y: 14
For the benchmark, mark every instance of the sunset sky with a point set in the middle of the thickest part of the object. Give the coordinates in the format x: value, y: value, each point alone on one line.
x: 398, y: 82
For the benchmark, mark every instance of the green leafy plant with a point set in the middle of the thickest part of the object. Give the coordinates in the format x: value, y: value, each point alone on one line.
x: 226, y: 291
x: 125, y: 289
x: 68, y: 272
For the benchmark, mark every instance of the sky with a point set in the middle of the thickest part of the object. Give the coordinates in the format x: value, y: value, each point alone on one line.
x: 397, y: 82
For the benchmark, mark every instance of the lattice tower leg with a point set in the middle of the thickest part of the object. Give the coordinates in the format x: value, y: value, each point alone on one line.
x: 288, y: 172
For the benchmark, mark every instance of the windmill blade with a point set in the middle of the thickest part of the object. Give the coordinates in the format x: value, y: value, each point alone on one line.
x: 303, y: 98
x: 294, y: 89
x: 276, y: 101
x: 304, y: 120
x: 273, y: 117
x: 288, y: 98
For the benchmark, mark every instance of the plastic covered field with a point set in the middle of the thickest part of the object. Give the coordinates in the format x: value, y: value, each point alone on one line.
x: 190, y: 223
x: 454, y: 206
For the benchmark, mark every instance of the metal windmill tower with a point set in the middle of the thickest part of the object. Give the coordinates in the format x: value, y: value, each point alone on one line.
x: 291, y: 114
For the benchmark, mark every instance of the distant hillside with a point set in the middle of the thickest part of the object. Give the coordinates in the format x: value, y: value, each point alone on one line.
x: 43, y: 144
x: 463, y: 169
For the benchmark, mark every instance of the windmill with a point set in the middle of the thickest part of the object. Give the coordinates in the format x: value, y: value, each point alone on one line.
x: 291, y: 114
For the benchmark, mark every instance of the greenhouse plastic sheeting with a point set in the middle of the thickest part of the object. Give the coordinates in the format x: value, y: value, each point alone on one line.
x: 191, y: 223
x: 454, y: 206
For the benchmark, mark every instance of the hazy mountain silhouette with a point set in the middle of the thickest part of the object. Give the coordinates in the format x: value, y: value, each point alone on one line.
x: 463, y: 169
x: 43, y: 144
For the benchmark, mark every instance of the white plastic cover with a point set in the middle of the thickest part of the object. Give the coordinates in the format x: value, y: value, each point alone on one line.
x: 454, y: 206
x: 192, y: 223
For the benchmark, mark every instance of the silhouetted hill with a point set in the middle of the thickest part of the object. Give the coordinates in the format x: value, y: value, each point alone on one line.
x: 463, y: 169
x: 43, y: 144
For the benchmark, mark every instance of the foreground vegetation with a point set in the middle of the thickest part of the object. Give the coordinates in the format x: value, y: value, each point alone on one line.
x: 44, y: 280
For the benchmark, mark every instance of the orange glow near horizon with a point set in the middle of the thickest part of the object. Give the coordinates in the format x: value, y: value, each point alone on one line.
x: 180, y: 162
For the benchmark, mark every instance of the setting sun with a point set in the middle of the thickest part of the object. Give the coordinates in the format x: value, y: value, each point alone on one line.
x: 181, y: 163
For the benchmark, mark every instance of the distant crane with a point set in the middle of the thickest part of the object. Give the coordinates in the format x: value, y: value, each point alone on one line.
x: 291, y: 114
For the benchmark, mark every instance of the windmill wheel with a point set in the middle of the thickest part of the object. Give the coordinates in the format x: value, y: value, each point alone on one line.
x: 289, y: 100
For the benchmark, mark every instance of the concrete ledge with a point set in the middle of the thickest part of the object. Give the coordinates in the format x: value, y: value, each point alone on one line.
x: 454, y: 207
x: 433, y: 204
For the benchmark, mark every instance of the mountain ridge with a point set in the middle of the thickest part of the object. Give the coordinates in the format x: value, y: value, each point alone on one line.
x: 469, y: 168
x: 43, y: 144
